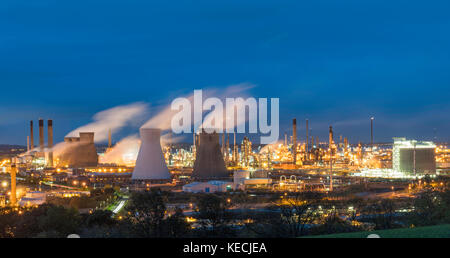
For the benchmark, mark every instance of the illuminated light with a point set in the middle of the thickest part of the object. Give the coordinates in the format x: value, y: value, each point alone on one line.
x: 190, y: 219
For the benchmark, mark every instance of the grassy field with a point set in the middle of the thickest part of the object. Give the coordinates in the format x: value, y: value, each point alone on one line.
x: 439, y: 231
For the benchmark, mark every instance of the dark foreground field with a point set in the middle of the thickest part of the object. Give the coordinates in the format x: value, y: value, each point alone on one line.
x: 439, y: 231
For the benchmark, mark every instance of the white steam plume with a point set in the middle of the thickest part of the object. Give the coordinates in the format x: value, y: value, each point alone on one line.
x: 163, y: 119
x: 124, y: 153
x: 112, y: 119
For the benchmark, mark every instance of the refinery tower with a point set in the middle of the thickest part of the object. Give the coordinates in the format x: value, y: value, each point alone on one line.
x: 150, y: 163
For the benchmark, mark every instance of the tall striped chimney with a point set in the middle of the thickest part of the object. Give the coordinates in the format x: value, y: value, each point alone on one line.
x: 41, y: 135
x: 50, y: 142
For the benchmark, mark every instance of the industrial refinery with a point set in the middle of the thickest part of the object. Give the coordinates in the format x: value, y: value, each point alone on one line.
x: 219, y: 119
x: 214, y: 164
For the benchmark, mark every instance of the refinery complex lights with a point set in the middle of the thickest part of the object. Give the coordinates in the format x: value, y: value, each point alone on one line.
x: 213, y: 163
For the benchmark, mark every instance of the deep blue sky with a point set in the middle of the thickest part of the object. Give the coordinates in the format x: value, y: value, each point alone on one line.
x: 335, y: 62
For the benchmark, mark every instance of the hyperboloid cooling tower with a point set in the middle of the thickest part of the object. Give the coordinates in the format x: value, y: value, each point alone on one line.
x: 209, y: 161
x: 79, y: 151
x: 150, y: 163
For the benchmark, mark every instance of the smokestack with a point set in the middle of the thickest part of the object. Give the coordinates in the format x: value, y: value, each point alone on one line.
x: 307, y: 139
x: 41, y: 135
x: 371, y: 133
x: 50, y: 142
x: 227, y: 148
x: 150, y: 163
x: 12, y: 197
x: 109, y: 139
x: 235, y: 150
x: 331, y: 158
x: 294, y: 140
x: 31, y: 136
x: 28, y: 143
x: 223, y: 143
x: 331, y: 137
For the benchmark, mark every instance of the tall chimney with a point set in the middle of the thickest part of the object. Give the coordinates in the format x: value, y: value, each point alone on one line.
x: 330, y: 140
x: 331, y: 158
x: 294, y: 140
x: 227, y: 149
x: 371, y: 133
x: 31, y: 136
x: 12, y: 197
x: 223, y: 143
x: 109, y: 139
x: 50, y: 142
x: 235, y: 150
x: 28, y: 143
x: 307, y: 139
x: 41, y: 135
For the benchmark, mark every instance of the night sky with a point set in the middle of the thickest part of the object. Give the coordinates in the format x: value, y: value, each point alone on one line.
x: 335, y: 62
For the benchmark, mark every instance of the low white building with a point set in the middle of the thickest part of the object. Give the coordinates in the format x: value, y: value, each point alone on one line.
x: 33, y: 198
x: 208, y: 187
x: 243, y: 179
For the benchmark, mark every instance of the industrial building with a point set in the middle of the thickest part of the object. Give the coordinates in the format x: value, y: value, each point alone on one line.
x: 250, y: 179
x: 413, y: 157
x: 208, y: 187
x: 79, y: 151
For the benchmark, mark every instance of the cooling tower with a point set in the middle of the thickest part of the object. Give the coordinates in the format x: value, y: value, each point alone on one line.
x: 150, y: 163
x: 79, y: 151
x: 209, y: 162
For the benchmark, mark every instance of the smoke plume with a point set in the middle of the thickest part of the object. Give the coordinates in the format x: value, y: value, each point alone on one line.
x: 163, y: 119
x: 124, y: 153
x: 112, y: 119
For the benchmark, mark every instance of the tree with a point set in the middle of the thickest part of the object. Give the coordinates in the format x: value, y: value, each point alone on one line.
x: 431, y: 207
x: 147, y: 210
x: 8, y: 220
x: 212, y: 211
x: 176, y: 225
x: 60, y: 221
x: 100, y: 218
x: 291, y: 217
x: 297, y: 214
